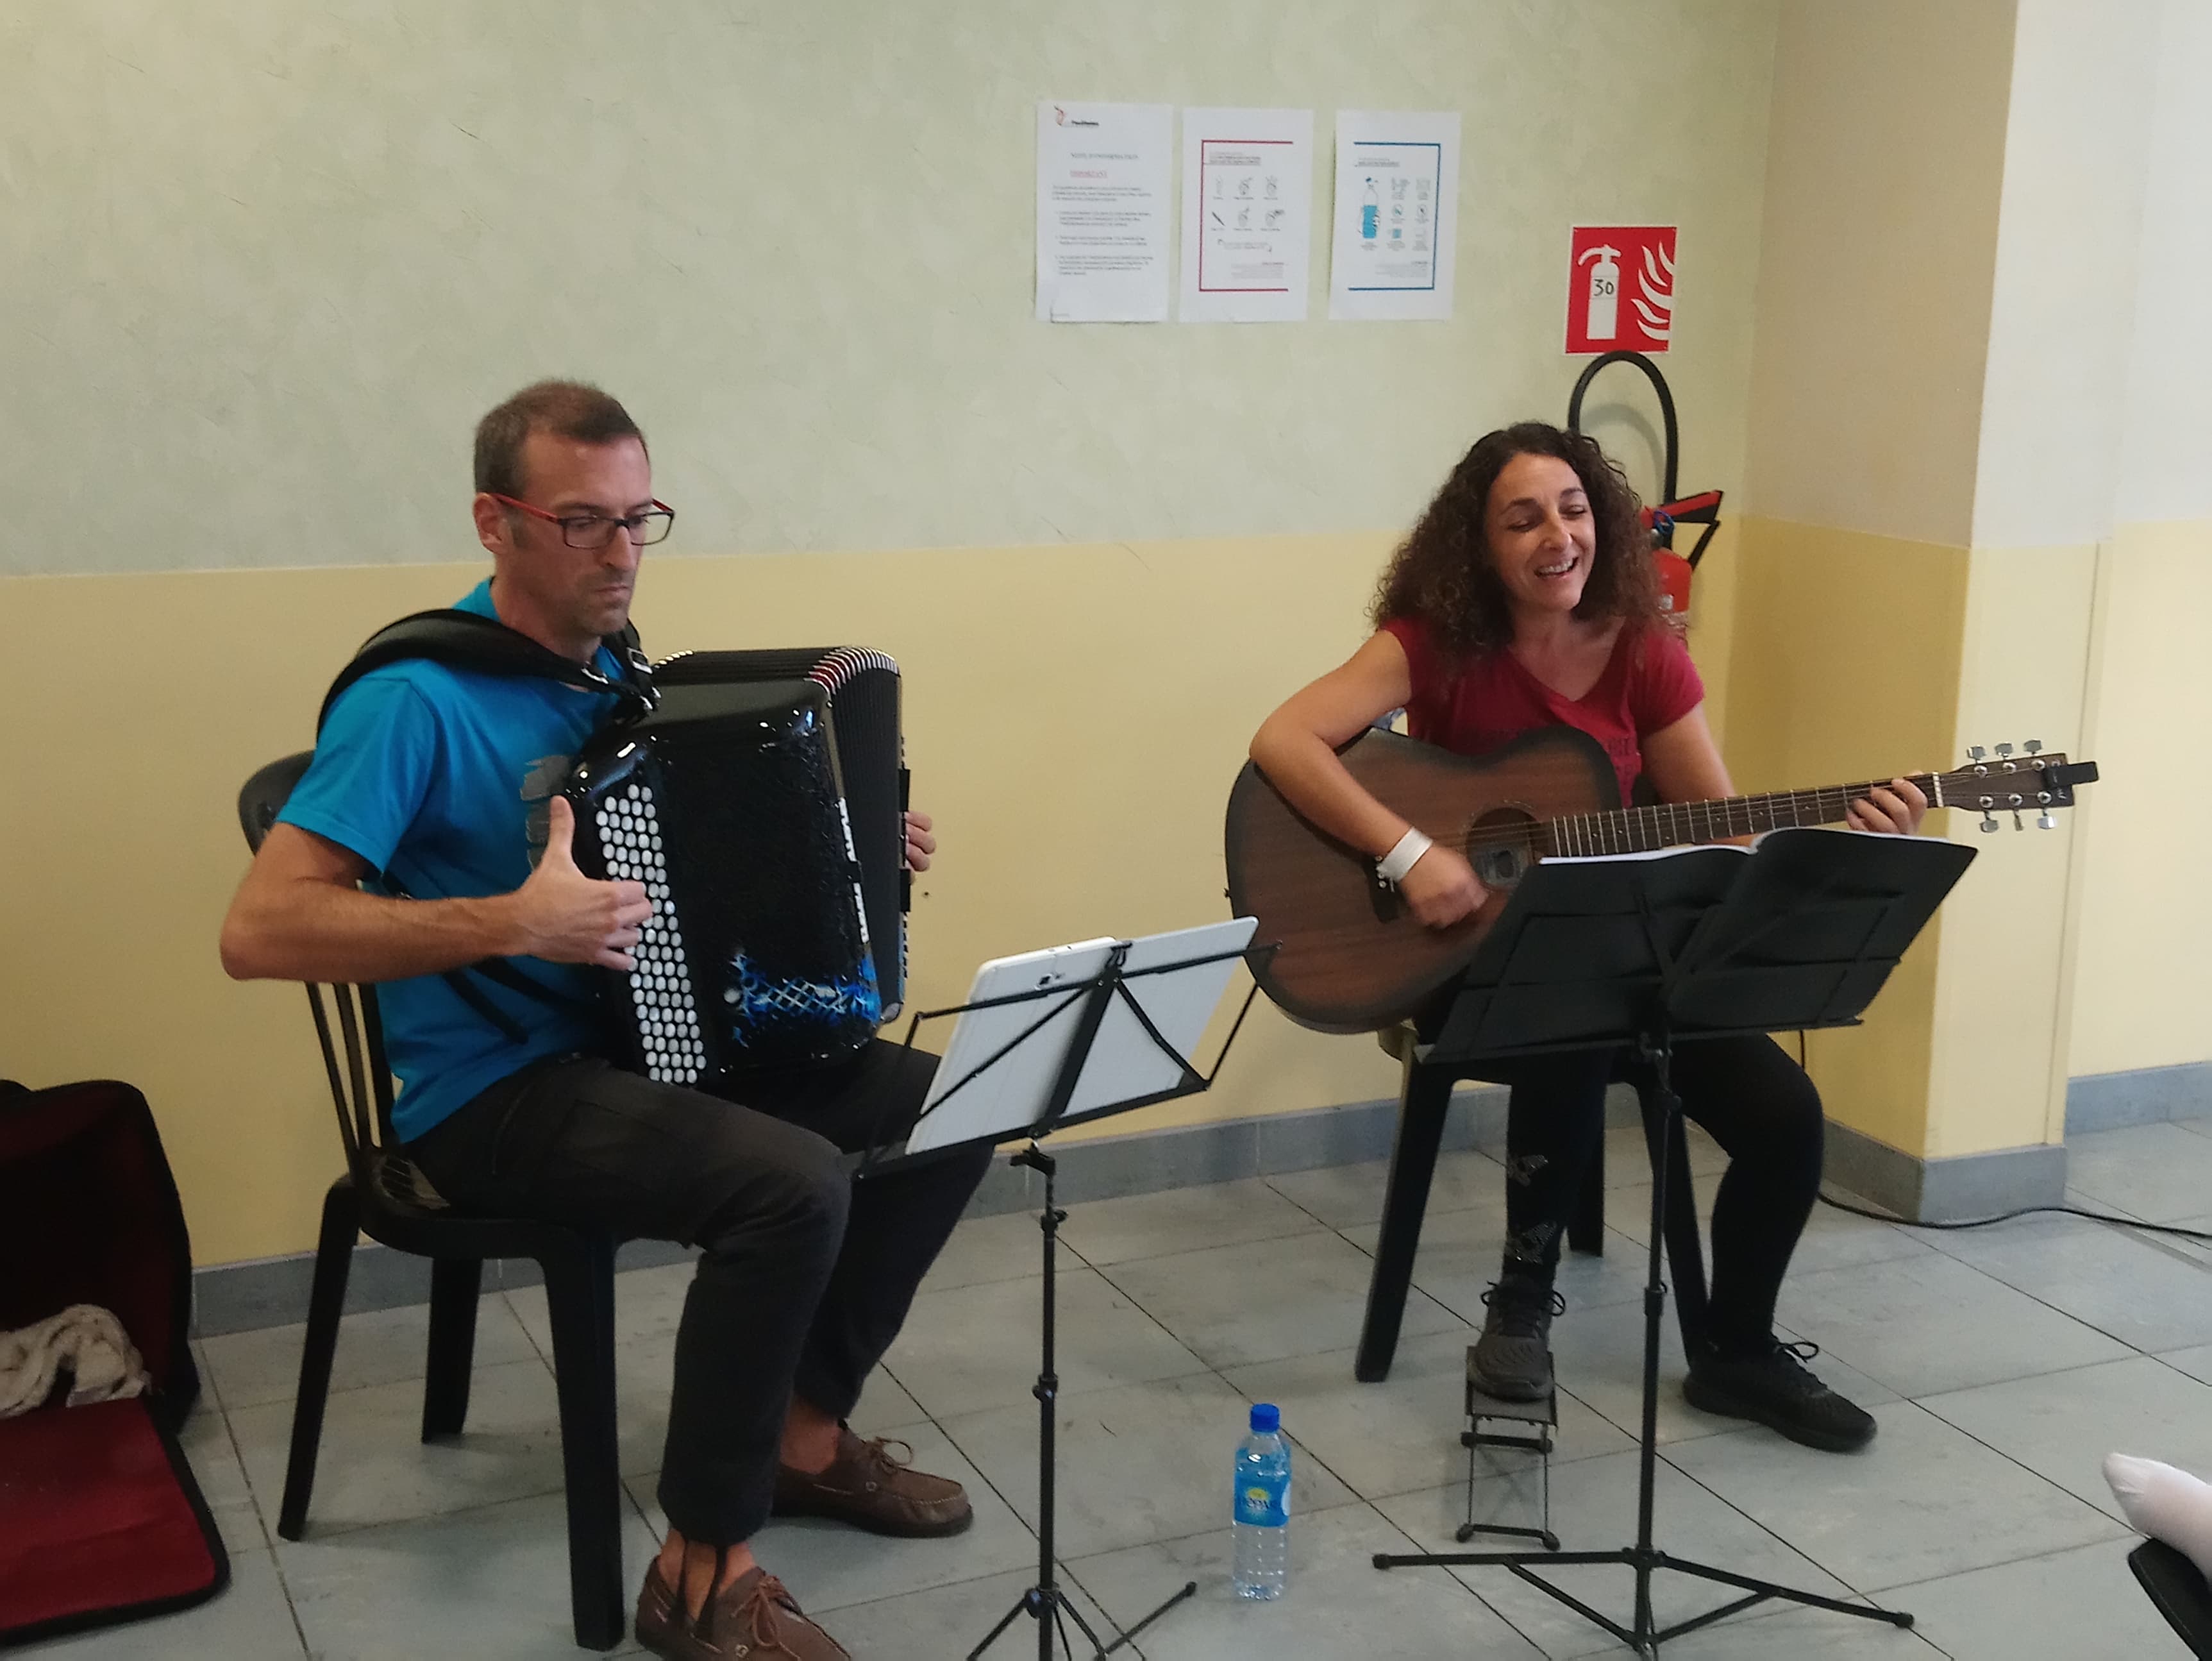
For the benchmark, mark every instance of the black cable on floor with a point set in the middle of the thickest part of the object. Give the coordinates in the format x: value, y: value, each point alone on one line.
x: 2026, y: 1211
x: 2007, y: 1216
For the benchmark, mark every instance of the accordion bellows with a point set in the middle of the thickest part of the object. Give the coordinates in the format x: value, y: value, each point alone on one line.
x: 760, y: 805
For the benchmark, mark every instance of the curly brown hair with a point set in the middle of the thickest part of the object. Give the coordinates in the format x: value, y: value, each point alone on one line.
x: 1443, y: 572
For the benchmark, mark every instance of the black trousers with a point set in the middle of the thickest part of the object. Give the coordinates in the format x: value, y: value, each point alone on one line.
x: 806, y: 1275
x: 1754, y: 1101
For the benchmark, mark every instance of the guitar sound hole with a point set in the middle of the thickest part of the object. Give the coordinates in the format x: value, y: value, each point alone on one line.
x: 1499, y: 846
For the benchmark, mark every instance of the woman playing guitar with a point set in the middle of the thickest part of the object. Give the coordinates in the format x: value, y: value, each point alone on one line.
x: 1525, y: 597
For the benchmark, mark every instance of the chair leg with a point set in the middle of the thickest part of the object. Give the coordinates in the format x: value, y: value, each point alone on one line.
x: 1586, y: 1228
x: 455, y: 1283
x: 579, y: 1299
x: 325, y: 1303
x: 1425, y: 1100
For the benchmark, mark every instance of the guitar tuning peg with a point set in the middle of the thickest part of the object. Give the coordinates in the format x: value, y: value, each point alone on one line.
x: 1975, y: 752
x: 2003, y: 750
x: 1989, y: 821
x: 2016, y: 822
x: 2033, y: 746
x: 2045, y: 821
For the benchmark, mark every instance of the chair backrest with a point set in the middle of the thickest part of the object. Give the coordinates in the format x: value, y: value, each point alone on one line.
x: 361, y: 1089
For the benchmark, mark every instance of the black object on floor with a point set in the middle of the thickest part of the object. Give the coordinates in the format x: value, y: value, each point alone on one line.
x: 1705, y: 943
x: 2177, y: 1591
x: 101, y: 1519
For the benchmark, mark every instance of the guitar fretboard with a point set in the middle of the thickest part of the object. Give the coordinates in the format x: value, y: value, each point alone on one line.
x: 1675, y: 824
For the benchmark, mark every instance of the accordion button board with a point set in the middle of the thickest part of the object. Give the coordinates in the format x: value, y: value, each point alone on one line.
x: 777, y: 871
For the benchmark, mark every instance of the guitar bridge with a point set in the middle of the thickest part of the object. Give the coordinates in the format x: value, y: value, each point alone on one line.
x: 1381, y: 894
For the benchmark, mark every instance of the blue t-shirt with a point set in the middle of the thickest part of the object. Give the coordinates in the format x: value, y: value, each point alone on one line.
x: 440, y: 778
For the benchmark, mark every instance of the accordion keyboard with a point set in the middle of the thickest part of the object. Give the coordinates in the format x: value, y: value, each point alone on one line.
x: 660, y: 985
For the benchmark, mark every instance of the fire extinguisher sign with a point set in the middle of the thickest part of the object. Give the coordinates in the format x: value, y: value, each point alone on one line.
x: 1620, y: 288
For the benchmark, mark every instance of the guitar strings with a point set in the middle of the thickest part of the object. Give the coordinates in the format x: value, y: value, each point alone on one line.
x: 1620, y: 823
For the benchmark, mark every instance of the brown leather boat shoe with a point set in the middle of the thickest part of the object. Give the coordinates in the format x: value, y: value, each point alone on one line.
x: 751, y: 1619
x: 872, y: 1487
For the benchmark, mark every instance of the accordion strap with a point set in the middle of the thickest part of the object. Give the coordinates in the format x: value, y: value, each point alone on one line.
x: 465, y: 640
x: 500, y: 972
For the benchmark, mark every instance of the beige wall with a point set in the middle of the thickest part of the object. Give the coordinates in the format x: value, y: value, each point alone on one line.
x: 1078, y: 783
x: 1846, y: 666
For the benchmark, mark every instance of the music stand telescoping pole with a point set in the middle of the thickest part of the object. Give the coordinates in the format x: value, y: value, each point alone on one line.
x: 1651, y: 954
x: 1086, y: 1004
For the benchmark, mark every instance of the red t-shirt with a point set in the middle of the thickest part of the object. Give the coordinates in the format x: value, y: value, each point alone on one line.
x: 1649, y: 683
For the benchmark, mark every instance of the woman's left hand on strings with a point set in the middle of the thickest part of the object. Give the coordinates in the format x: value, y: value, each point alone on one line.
x: 921, y: 842
x: 1896, y: 809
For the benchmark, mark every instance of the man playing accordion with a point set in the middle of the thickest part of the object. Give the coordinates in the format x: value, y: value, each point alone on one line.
x: 442, y: 784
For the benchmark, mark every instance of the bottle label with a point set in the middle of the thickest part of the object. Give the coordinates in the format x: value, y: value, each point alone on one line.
x: 1265, y: 1504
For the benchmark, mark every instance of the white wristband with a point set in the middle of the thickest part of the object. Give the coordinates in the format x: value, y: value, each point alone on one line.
x: 1392, y: 866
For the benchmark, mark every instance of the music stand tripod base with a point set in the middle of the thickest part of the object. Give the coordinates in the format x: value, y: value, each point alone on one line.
x: 1537, y: 1423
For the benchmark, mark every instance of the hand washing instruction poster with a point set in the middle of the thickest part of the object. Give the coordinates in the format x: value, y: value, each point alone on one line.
x: 1395, y: 223
x: 1105, y: 172
x: 1247, y: 215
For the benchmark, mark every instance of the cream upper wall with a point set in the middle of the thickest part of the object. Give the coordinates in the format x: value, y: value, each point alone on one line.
x: 2165, y: 461
x: 1884, y: 157
x: 2078, y: 141
x: 268, y: 264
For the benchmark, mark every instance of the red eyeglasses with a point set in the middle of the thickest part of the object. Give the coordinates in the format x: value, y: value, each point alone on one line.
x: 591, y: 530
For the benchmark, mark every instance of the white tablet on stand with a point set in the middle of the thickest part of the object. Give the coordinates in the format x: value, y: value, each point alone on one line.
x: 1000, y: 1070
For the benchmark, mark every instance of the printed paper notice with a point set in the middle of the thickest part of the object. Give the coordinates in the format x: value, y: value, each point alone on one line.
x: 1396, y: 224
x: 1104, y: 172
x: 1247, y: 215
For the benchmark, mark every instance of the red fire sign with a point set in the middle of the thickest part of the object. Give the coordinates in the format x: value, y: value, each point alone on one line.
x: 1620, y: 288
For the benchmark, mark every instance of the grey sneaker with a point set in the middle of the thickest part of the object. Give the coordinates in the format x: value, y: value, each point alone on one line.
x: 1513, y: 1358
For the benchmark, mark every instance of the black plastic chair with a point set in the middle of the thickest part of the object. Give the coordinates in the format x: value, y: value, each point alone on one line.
x: 2178, y: 1592
x: 382, y: 1195
x: 1424, y: 1102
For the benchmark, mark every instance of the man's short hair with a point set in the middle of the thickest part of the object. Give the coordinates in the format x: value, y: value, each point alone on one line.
x: 566, y: 408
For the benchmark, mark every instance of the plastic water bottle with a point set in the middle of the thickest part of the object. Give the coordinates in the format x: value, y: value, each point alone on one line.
x: 1262, y: 1507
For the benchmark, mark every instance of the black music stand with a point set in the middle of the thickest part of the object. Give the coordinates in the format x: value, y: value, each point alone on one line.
x: 1650, y: 952
x: 1046, y: 1601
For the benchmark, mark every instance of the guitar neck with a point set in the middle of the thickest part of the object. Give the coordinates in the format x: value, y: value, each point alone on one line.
x: 1675, y: 824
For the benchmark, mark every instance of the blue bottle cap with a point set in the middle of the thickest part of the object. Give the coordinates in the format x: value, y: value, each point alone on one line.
x: 1267, y: 1418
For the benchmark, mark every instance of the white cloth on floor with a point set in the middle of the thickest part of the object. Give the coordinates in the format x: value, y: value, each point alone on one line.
x: 2166, y: 1504
x: 84, y: 1340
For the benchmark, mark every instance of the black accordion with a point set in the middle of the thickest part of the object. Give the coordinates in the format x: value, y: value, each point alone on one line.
x: 761, y: 804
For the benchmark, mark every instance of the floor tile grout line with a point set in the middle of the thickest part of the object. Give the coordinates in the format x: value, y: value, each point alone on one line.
x: 268, y: 1536
x: 2063, y: 1314
x: 1787, y: 1544
x: 1457, y: 1579
x: 1909, y: 1586
x: 1300, y: 1232
x: 2022, y: 1464
x: 1885, y: 1592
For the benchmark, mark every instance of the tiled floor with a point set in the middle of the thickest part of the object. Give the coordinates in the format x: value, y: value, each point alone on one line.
x: 2002, y: 1364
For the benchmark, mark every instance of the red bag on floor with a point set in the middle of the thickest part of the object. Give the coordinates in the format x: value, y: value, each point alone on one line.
x: 100, y: 1520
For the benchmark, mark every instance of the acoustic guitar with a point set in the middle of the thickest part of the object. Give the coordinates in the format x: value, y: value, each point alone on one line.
x: 1353, y: 958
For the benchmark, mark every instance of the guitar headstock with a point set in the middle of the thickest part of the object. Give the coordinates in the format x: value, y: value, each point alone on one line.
x: 2003, y: 782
